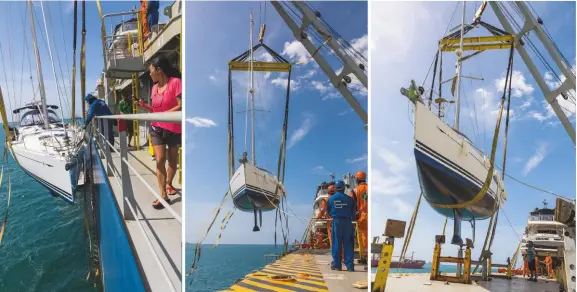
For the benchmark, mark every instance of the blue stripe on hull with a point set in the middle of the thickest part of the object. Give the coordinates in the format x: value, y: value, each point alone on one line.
x: 67, y: 197
x: 438, y: 182
x: 74, y: 174
x: 243, y: 199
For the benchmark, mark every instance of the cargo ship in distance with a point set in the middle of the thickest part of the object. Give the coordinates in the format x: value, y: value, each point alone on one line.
x: 404, y: 264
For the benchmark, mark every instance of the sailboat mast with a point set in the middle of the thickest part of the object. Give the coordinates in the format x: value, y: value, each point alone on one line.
x: 252, y: 89
x: 38, y: 67
x: 459, y: 69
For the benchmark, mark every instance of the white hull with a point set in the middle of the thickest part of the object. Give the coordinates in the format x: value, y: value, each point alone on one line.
x: 453, y: 168
x: 48, y: 164
x: 543, y: 242
x: 255, y: 189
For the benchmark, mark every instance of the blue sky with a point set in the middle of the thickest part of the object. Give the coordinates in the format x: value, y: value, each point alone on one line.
x: 539, y: 150
x: 324, y: 135
x: 59, y: 17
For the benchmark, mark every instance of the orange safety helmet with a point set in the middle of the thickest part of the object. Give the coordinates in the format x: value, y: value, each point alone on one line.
x: 361, y: 175
x: 332, y: 189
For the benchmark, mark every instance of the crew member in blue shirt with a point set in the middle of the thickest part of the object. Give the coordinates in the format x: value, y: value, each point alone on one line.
x: 98, y: 107
x: 152, y: 14
x: 341, y: 208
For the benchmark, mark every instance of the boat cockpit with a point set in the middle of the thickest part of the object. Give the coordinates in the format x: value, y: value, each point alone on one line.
x: 33, y: 116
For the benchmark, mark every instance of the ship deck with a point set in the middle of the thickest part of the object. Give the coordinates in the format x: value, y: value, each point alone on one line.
x: 421, y: 282
x: 314, y: 263
x: 164, y: 231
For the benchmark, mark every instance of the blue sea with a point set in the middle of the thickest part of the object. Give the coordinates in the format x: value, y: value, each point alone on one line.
x: 43, y: 248
x: 219, y: 267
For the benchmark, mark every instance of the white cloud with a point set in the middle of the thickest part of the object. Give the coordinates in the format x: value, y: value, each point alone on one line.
x: 332, y: 95
x: 319, y: 86
x: 345, y: 112
x: 309, y: 74
x: 212, y: 78
x: 518, y: 84
x: 401, y: 206
x: 320, y: 170
x: 536, y: 159
x: 296, y: 52
x: 357, y: 159
x: 302, y: 131
x: 392, y: 179
x: 361, y: 45
x: 282, y: 83
x: 527, y: 103
x: 265, y: 57
x: 201, y: 122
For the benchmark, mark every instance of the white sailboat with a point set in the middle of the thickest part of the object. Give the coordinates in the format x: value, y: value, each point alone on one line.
x: 452, y: 171
x: 253, y: 188
x: 46, y: 148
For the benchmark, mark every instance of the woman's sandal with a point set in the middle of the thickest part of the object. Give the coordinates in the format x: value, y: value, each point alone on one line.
x: 158, y: 206
x: 170, y: 190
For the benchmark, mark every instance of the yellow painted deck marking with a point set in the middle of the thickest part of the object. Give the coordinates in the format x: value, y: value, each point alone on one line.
x: 294, y: 284
x: 296, y: 270
x: 303, y: 280
x: 265, y: 286
x: 242, y: 289
x: 290, y: 265
x: 283, y: 272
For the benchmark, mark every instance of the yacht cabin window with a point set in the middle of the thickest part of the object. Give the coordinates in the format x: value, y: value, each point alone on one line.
x: 541, y: 218
x: 34, y: 117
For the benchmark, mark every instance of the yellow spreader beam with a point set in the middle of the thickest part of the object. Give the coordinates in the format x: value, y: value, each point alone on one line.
x: 481, y: 39
x: 482, y: 43
x: 260, y: 66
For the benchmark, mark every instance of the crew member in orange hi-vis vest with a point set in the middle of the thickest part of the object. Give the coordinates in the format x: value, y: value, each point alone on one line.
x: 360, y: 195
x: 549, y: 264
x: 144, y: 18
x: 332, y: 190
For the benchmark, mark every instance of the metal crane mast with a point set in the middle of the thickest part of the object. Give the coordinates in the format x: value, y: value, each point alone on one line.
x: 338, y: 80
x: 533, y: 24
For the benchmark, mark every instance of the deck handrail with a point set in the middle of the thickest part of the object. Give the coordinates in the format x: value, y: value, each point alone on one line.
x: 157, y: 117
x: 127, y: 195
x: 146, y: 184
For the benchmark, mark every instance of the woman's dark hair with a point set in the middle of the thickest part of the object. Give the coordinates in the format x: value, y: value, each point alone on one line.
x: 162, y: 63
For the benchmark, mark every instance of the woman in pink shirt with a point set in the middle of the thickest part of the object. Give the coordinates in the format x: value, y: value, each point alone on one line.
x: 166, y: 97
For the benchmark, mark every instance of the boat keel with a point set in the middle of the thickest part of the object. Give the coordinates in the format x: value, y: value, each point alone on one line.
x: 255, y: 229
x: 457, y: 240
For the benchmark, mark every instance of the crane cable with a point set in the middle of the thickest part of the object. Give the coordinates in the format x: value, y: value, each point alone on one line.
x: 497, y: 204
x: 7, y: 146
x: 73, y: 85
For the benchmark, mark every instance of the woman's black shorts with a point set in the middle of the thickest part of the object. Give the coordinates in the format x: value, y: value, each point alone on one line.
x: 160, y: 136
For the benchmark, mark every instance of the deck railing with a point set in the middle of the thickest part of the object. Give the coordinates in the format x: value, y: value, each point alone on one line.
x: 123, y: 178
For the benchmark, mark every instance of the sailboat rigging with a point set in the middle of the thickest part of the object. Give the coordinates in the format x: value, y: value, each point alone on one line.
x: 253, y: 188
x: 47, y: 148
